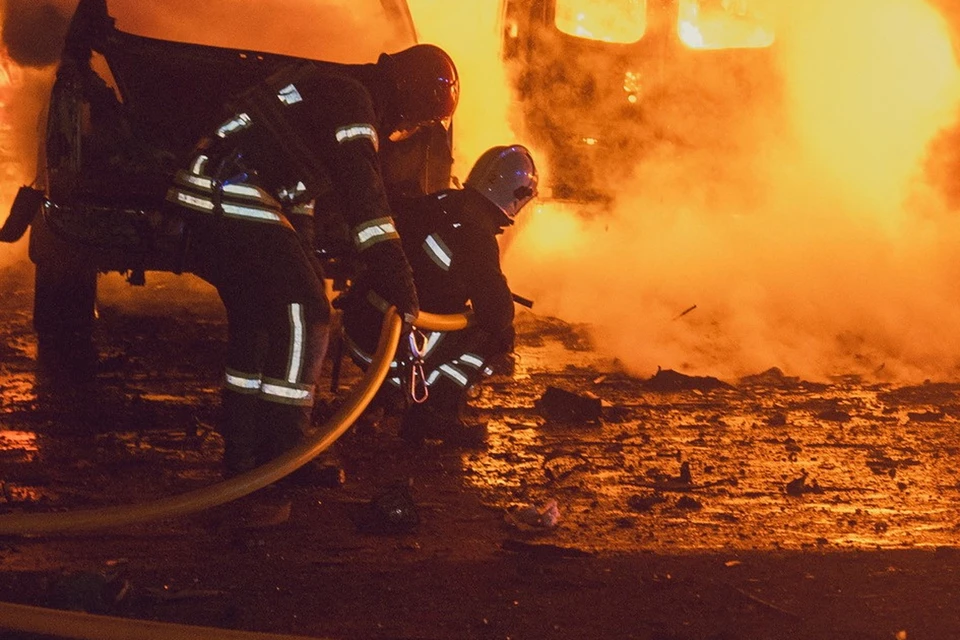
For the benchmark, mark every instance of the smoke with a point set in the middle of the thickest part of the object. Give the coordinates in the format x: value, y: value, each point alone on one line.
x: 33, y: 31
x: 816, y: 244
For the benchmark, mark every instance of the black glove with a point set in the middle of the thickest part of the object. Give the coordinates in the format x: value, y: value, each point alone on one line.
x: 391, y: 277
x: 505, y: 341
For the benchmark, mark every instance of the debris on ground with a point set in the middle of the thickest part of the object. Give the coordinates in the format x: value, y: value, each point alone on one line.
x: 688, y: 503
x: 799, y: 486
x: 772, y: 377
x: 628, y: 553
x: 667, y: 380
x: 646, y: 502
x: 530, y: 518
x: 543, y: 551
x: 565, y: 406
x: 834, y: 415
x: 392, y: 511
x: 89, y: 591
x: 559, y: 466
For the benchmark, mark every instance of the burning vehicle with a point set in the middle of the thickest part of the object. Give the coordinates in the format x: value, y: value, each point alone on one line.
x: 125, y: 108
x: 604, y: 83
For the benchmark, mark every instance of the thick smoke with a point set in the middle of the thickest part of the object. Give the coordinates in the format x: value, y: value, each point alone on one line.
x: 815, y: 244
x: 33, y: 31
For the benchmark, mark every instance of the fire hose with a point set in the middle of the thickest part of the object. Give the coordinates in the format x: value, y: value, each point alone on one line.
x: 71, y: 624
x: 244, y: 484
x: 74, y: 624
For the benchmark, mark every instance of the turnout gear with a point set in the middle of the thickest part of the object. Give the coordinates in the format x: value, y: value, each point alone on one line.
x: 506, y: 176
x: 450, y: 240
x: 386, y: 265
x: 301, y: 146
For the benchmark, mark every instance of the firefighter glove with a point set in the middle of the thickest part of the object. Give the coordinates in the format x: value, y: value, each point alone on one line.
x: 391, y: 277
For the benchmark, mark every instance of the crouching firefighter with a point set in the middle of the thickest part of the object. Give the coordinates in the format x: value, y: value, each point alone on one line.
x: 294, y: 148
x: 450, y: 238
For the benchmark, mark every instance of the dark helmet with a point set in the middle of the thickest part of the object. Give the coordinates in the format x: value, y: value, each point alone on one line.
x: 426, y: 83
x: 506, y: 176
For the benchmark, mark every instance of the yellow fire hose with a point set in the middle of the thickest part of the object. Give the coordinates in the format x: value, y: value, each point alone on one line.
x: 73, y: 624
x: 70, y: 624
x: 436, y: 322
x: 239, y: 486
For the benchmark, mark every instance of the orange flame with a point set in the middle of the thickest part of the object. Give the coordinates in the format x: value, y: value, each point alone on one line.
x: 604, y: 20
x: 735, y: 24
x: 11, y: 164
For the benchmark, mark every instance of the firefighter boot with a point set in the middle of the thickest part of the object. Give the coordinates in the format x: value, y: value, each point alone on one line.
x: 243, y: 433
x: 288, y: 426
x: 441, y: 418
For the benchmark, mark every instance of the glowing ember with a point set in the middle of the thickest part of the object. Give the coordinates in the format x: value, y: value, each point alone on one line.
x: 605, y: 20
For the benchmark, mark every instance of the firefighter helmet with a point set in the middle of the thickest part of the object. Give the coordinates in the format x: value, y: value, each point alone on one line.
x: 427, y: 86
x: 506, y: 176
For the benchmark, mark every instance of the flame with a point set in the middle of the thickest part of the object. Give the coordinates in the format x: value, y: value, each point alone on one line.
x: 867, y: 100
x: 11, y: 80
x: 605, y: 20
x: 12, y: 167
x: 471, y: 36
x: 725, y: 24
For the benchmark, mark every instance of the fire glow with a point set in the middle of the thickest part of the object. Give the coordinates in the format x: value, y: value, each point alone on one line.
x: 732, y: 24
x: 12, y: 166
x: 817, y: 246
x: 618, y: 21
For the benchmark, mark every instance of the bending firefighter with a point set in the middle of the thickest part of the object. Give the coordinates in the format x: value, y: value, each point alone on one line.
x: 450, y: 238
x: 295, y: 148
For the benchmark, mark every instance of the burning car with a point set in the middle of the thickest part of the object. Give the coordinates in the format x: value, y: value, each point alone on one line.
x: 126, y: 107
x: 602, y: 83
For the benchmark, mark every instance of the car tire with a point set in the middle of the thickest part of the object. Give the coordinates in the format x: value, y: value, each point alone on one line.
x: 65, y: 288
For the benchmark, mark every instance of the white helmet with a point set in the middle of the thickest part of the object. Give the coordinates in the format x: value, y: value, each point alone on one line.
x: 506, y: 176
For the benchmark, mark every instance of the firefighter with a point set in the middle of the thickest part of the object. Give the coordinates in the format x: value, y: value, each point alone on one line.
x: 450, y: 238
x: 295, y: 148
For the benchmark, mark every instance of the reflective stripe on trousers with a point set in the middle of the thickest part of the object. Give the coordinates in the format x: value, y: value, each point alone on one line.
x: 290, y: 390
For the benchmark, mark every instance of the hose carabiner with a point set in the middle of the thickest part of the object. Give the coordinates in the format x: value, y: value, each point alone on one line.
x: 419, y: 392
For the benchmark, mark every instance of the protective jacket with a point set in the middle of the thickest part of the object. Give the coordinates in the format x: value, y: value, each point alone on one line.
x: 303, y: 143
x: 309, y: 133
x: 450, y: 238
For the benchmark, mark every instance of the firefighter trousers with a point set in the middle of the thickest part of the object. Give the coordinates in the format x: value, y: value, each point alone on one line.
x: 278, y: 322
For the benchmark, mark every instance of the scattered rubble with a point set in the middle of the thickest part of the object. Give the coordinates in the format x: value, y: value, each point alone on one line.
x: 560, y: 405
x: 667, y: 380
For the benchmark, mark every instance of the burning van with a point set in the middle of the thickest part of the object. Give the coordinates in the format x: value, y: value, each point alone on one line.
x: 603, y: 83
x: 126, y: 107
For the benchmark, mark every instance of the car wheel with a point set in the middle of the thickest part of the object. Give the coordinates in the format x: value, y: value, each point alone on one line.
x: 65, y: 289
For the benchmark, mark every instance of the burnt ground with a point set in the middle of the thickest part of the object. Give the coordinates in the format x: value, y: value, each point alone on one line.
x: 603, y: 506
